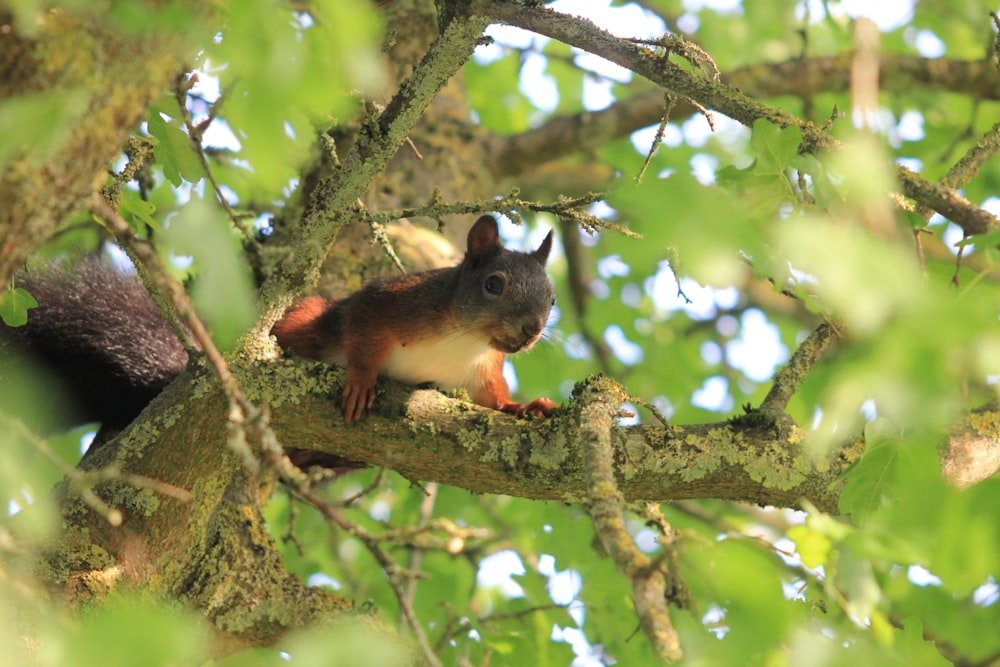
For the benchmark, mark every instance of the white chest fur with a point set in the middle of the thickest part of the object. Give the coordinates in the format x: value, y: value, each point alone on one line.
x: 452, y: 362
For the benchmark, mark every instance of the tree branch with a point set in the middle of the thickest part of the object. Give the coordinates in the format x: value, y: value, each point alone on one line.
x: 649, y: 586
x: 800, y: 77
x: 460, y: 444
x: 792, y: 374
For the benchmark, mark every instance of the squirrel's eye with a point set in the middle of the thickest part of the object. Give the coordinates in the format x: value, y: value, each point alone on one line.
x: 494, y: 285
x: 553, y: 301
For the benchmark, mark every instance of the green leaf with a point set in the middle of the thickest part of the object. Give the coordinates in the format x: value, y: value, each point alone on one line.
x: 494, y: 95
x: 137, y: 211
x: 283, y: 76
x: 774, y: 147
x: 855, y: 578
x: 915, y: 649
x: 14, y: 306
x: 811, y: 545
x: 347, y: 643
x: 133, y: 632
x: 222, y: 289
x: 864, y: 490
x: 36, y: 123
x: 173, y: 150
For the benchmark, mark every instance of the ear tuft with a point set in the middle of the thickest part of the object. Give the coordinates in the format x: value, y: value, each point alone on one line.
x: 542, y: 254
x: 484, y: 239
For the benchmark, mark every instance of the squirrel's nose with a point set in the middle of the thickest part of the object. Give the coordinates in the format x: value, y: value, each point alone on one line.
x: 532, y: 329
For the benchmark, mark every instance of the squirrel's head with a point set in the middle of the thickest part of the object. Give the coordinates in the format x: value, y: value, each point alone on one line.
x: 507, y: 293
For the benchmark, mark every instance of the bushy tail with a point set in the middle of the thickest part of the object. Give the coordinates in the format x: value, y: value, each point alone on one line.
x: 101, y: 336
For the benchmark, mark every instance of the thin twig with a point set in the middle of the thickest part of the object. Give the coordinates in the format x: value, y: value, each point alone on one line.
x: 669, y: 101
x: 382, y: 238
x: 393, y: 573
x: 584, y: 34
x: 570, y: 208
x: 194, y: 135
x: 417, y: 557
x: 968, y: 165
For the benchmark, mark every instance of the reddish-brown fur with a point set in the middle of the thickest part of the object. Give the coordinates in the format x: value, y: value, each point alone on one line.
x: 298, y: 330
x: 365, y: 328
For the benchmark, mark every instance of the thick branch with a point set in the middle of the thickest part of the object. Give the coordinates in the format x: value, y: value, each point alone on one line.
x: 422, y: 434
x: 216, y: 553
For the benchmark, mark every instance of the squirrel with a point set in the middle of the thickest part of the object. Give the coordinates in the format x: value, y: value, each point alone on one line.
x: 452, y: 327
x: 102, y: 337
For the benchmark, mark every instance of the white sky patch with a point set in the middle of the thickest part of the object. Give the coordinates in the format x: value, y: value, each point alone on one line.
x: 380, y: 510
x: 703, y: 168
x: 510, y: 375
x: 911, y: 126
x: 323, y: 580
x: 643, y: 139
x: 928, y: 44
x: 612, y: 265
x: 921, y: 576
x: 992, y: 204
x: 631, y: 420
x: 951, y: 235
x: 564, y: 586
x: 629, y: 20
x: 696, y: 131
x: 602, y: 67
x: 207, y: 85
x: 647, y: 540
x: 688, y: 23
x: 705, y: 301
x: 759, y: 349
x: 724, y: 6
x: 713, y: 395
x: 987, y: 594
x: 597, y: 94
x: 886, y: 14
x: 86, y: 440
x: 710, y: 352
x: 538, y: 87
x: 495, y: 572
x: 218, y: 134
x: 505, y: 35
x: 628, y: 353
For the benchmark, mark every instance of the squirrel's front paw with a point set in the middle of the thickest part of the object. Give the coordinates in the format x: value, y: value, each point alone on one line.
x: 356, y: 401
x: 540, y: 407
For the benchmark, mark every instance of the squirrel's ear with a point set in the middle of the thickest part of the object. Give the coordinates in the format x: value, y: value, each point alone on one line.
x: 484, y: 238
x: 542, y: 254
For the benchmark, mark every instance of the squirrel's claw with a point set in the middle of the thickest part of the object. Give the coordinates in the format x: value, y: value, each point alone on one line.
x: 356, y: 401
x: 540, y: 407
